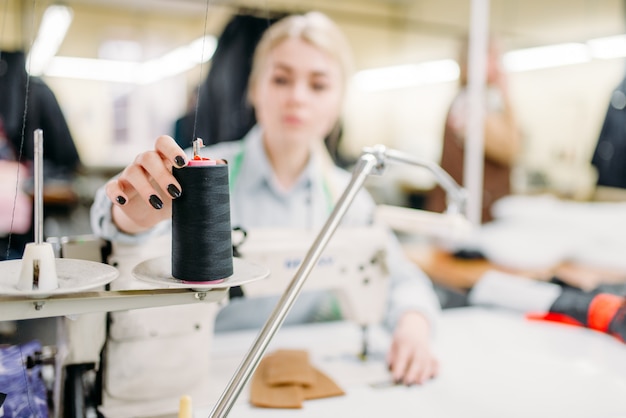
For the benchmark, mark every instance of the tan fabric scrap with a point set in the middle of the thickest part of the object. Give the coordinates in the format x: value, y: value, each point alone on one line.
x: 266, y: 396
x: 286, y: 367
x: 285, y: 378
x: 324, y: 387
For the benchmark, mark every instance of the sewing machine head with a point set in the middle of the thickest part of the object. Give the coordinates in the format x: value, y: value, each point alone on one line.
x: 352, y: 266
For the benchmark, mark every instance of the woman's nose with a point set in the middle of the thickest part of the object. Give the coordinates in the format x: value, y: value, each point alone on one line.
x: 299, y: 92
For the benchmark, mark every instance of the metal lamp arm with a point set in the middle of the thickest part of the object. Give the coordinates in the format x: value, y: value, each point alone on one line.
x: 456, y: 195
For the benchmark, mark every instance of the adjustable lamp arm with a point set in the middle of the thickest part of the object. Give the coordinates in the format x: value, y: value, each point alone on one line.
x: 456, y: 195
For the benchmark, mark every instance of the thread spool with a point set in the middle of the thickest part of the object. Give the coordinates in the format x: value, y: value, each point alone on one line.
x: 201, y: 229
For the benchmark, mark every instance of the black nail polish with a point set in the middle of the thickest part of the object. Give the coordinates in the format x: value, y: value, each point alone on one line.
x: 180, y: 161
x: 173, y: 191
x: 120, y: 200
x: 156, y: 202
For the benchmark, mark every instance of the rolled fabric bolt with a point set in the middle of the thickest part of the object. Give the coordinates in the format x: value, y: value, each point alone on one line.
x: 551, y: 302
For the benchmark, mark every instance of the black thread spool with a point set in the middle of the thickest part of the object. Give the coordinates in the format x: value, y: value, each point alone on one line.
x: 202, y: 248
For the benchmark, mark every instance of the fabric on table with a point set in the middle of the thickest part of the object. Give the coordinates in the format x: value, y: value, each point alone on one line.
x: 285, y: 379
x: 23, y: 385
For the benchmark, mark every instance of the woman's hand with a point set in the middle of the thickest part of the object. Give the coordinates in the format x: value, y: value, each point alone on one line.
x: 410, y: 359
x: 142, y: 194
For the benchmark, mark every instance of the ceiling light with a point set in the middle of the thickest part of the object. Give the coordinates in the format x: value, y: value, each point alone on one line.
x: 174, y: 62
x: 93, y: 69
x: 409, y: 75
x: 546, y: 57
x: 54, y: 25
x: 178, y: 60
x: 608, y: 48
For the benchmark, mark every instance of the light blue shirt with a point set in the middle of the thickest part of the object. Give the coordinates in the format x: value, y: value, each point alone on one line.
x: 257, y: 200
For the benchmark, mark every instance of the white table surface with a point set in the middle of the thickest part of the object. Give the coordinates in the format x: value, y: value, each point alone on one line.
x: 493, y: 364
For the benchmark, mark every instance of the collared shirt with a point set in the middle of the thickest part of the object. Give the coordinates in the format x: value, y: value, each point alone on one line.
x: 257, y: 200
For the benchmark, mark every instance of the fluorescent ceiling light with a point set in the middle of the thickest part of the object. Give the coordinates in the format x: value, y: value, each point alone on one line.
x: 120, y: 50
x: 608, y: 48
x: 174, y: 62
x: 54, y: 25
x: 377, y: 79
x: 546, y: 57
x: 178, y: 60
x: 409, y: 75
x: 387, y: 78
x: 93, y: 69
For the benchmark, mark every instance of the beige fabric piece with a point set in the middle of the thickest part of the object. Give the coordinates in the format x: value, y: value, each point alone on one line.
x: 324, y: 387
x: 285, y: 367
x: 285, y: 378
x: 267, y: 396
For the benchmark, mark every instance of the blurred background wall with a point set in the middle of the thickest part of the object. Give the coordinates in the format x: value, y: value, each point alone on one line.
x: 560, y: 108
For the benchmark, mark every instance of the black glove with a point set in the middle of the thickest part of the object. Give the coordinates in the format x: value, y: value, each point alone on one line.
x: 600, y: 311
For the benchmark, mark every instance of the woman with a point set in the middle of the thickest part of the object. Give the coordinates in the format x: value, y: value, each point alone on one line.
x: 281, y: 177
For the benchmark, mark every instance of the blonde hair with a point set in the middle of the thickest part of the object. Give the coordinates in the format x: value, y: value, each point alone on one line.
x: 320, y: 31
x: 315, y: 28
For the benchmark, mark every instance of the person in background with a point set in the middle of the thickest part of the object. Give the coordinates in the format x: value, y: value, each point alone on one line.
x: 609, y: 156
x: 281, y: 176
x: 502, y: 139
x: 17, y: 127
x: 16, y: 205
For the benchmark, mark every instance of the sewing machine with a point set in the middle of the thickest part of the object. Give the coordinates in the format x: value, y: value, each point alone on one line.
x: 352, y: 267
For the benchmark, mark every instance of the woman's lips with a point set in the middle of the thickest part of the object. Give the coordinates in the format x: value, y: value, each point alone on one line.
x: 293, y: 120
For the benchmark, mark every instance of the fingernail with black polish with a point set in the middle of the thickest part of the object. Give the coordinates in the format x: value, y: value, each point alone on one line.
x: 173, y: 191
x: 180, y: 161
x: 120, y: 200
x: 156, y: 202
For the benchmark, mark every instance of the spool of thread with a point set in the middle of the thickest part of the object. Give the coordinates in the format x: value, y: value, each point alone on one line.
x: 201, y: 230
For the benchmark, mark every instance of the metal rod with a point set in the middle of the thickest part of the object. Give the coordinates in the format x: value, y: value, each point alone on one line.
x: 364, y: 167
x: 38, y: 185
x: 473, y: 168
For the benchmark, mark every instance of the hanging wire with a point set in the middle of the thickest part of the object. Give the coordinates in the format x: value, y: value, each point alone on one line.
x: 22, y: 134
x: 29, y: 389
x: 204, y: 32
x: 2, y: 29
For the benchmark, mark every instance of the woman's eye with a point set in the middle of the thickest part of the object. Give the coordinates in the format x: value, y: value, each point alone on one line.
x: 280, y: 80
x: 319, y: 86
